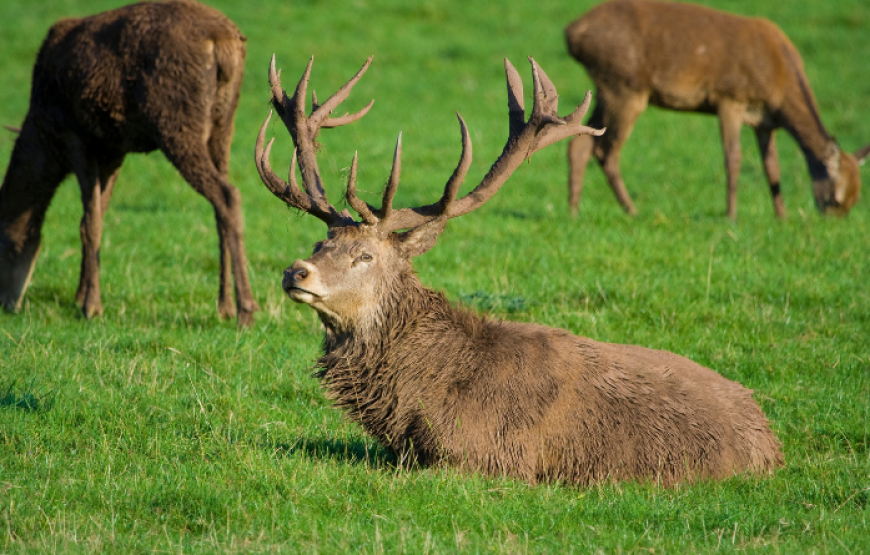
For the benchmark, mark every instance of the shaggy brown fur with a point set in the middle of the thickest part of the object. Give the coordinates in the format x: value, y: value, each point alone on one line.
x: 692, y: 58
x: 161, y: 75
x: 442, y: 384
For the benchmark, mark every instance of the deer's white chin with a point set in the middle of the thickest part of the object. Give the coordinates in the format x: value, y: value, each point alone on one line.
x: 304, y: 296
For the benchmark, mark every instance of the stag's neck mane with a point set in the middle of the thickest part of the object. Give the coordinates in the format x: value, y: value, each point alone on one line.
x: 406, y: 308
x: 364, y: 368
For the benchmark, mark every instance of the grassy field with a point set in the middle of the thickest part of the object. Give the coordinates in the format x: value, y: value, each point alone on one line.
x: 160, y: 428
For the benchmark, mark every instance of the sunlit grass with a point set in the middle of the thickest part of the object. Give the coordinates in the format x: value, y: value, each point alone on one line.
x: 160, y: 428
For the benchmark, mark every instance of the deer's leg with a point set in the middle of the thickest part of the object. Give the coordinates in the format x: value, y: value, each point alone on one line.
x: 97, y: 182
x: 226, y: 305
x: 770, y: 158
x: 219, y: 150
x: 620, y: 110
x: 730, y: 121
x: 108, y: 176
x: 199, y: 170
x: 579, y: 152
x: 31, y: 180
x: 91, y: 231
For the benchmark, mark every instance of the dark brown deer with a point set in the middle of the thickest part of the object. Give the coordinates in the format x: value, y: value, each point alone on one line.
x: 444, y: 385
x: 155, y: 75
x: 696, y: 59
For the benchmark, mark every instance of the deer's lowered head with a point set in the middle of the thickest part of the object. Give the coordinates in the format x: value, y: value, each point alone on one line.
x: 837, y: 183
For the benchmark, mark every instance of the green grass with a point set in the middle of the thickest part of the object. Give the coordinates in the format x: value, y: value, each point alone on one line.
x: 160, y: 428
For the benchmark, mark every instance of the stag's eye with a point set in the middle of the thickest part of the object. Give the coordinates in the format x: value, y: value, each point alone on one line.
x: 364, y: 257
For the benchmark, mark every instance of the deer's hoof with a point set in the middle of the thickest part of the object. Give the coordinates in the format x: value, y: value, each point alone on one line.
x: 246, y: 319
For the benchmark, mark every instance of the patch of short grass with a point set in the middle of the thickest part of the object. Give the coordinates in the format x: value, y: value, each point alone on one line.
x: 160, y: 428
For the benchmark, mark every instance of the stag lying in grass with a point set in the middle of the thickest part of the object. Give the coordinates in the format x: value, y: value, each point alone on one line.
x: 696, y: 59
x: 155, y: 75
x: 441, y: 384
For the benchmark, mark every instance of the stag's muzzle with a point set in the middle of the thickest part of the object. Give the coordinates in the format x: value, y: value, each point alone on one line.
x: 302, y: 283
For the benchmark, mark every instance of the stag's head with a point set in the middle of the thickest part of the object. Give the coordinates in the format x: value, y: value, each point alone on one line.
x: 361, y: 262
x: 839, y: 189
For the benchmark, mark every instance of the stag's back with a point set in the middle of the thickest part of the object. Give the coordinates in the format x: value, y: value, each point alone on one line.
x: 543, y: 404
x: 686, y: 57
x: 130, y: 76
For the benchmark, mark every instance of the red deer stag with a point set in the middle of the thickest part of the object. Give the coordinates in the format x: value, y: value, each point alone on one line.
x: 696, y: 59
x: 444, y: 385
x: 155, y: 75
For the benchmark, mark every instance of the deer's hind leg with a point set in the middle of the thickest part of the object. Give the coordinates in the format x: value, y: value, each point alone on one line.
x: 619, y: 111
x: 97, y: 182
x: 579, y: 152
x: 197, y: 166
x: 233, y: 264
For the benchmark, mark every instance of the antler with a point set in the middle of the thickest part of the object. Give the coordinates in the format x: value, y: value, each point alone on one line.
x: 543, y: 128
x: 304, y: 131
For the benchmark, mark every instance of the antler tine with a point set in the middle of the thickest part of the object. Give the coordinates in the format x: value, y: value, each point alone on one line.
x: 288, y: 192
x: 516, y: 108
x: 320, y: 117
x: 515, y: 87
x: 261, y: 157
x: 543, y: 128
x: 302, y: 88
x: 547, y: 87
x: 452, y: 188
x: 546, y: 98
x: 362, y: 208
x: 413, y: 217
x: 567, y: 127
x: 278, y: 94
x: 386, y: 210
x: 347, y: 118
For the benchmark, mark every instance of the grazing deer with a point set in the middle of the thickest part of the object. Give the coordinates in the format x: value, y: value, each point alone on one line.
x: 696, y: 59
x: 155, y: 75
x: 442, y: 384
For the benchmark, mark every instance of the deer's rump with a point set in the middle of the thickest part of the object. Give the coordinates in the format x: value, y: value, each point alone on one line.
x: 130, y: 77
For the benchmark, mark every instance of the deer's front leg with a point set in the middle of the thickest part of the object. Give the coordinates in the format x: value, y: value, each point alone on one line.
x: 767, y: 146
x: 730, y: 121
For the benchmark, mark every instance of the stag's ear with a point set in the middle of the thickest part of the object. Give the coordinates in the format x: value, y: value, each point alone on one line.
x: 419, y: 240
x: 861, y: 154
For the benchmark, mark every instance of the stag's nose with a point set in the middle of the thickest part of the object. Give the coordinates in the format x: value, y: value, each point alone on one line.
x: 296, y: 274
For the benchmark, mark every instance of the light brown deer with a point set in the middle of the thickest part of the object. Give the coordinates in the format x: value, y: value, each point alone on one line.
x: 696, y: 59
x: 155, y: 75
x: 444, y: 385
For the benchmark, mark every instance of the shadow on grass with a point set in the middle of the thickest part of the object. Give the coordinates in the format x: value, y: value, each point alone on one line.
x: 354, y: 451
x: 483, y: 300
x: 28, y: 399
